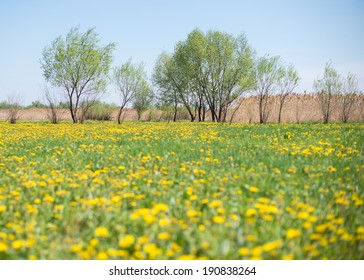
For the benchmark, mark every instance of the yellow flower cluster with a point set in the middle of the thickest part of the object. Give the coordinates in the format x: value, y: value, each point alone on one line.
x: 181, y: 191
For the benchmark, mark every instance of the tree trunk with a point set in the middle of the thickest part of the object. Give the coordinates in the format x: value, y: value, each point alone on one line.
x: 280, y: 112
x: 175, y: 113
x: 119, y: 114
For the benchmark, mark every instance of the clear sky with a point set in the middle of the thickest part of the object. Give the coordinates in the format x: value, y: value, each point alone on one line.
x: 307, y: 33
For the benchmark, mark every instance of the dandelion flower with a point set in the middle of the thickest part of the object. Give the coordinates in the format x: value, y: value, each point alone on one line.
x: 101, y: 232
x: 292, y: 233
x: 127, y: 241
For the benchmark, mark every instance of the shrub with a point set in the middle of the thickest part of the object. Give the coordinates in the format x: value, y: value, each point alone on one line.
x: 100, y: 111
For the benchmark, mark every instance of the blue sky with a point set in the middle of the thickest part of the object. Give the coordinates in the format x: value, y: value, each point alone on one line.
x: 305, y: 33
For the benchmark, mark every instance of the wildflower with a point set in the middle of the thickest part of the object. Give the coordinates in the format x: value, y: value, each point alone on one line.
x: 303, y: 215
x: 127, y: 241
x: 94, y: 242
x: 288, y: 257
x: 3, y: 246
x: 2, y: 208
x: 186, y: 257
x: 251, y: 238
x: 164, y: 236
x: 360, y: 230
x: 250, y: 212
x: 152, y: 250
x: 76, y: 248
x: 218, y: 219
x: 331, y: 169
x: 270, y: 246
x: 17, y: 244
x: 292, y: 233
x: 101, y: 232
x: 102, y: 256
x: 243, y: 252
x: 215, y: 204
x: 205, y: 245
x: 253, y: 189
x: 257, y: 251
x: 191, y: 213
x: 142, y: 240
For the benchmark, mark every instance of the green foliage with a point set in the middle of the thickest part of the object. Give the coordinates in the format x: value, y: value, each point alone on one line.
x: 36, y: 104
x: 327, y: 87
x: 4, y: 105
x: 206, y: 70
x: 100, y: 111
x: 331, y: 83
x: 143, y: 98
x: 131, y: 84
x: 78, y: 65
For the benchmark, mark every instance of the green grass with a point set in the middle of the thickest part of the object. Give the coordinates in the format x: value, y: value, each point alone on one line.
x: 181, y: 191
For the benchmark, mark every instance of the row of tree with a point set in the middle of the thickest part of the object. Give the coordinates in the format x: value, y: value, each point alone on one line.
x: 207, y: 72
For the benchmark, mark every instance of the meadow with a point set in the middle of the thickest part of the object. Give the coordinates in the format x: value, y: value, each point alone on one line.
x: 157, y: 190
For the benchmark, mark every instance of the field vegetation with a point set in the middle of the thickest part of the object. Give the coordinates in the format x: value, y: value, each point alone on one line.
x: 182, y: 190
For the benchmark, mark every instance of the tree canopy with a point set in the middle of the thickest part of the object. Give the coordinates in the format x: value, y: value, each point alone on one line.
x: 80, y: 66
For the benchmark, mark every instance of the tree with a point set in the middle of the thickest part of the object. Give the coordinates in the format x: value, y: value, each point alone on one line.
x: 205, y: 71
x: 348, y: 96
x: 130, y: 82
x: 288, y: 80
x: 142, y: 98
x: 165, y: 80
x: 219, y: 69
x: 327, y: 87
x: 268, y: 72
x: 52, y: 102
x: 80, y: 67
x: 13, y: 106
x: 36, y: 104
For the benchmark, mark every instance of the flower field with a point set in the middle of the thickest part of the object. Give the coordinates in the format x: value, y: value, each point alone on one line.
x: 181, y: 191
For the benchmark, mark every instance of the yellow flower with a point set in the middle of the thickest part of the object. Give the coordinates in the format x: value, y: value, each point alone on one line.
x: 288, y: 257
x: 101, y: 232
x: 76, y: 248
x: 292, y: 233
x: 219, y: 219
x: 164, y: 236
x: 142, y: 240
x: 152, y: 250
x: 215, y: 204
x: 2, y: 208
x: 186, y: 257
x: 161, y: 207
x: 3, y: 246
x: 270, y: 246
x: 191, y: 213
x: 17, y: 244
x: 253, y: 189
x: 94, y: 242
x: 250, y: 212
x: 251, y: 238
x: 243, y: 252
x: 102, y: 256
x: 257, y: 251
x: 127, y: 241
x: 193, y: 197
x: 331, y: 169
x: 303, y: 215
x: 164, y: 222
x: 205, y: 245
x: 360, y: 230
